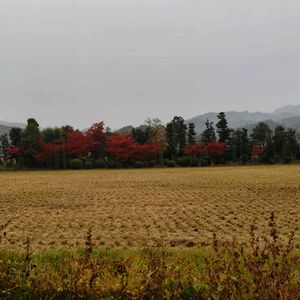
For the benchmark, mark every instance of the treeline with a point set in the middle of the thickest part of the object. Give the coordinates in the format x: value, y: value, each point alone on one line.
x: 153, y: 144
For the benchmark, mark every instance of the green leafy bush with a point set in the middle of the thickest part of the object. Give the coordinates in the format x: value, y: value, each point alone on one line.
x: 76, y: 164
x: 204, y: 163
x: 151, y: 163
x: 89, y: 164
x: 170, y: 163
x: 194, y: 162
x: 139, y: 164
x: 129, y: 163
x: 100, y: 164
x: 183, y: 161
x: 114, y: 165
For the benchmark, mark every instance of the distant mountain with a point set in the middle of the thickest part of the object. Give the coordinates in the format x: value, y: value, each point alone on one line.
x: 288, y: 116
x: 5, y: 127
x: 12, y: 124
x: 235, y: 119
x: 125, y: 130
x: 288, y: 109
x: 272, y: 124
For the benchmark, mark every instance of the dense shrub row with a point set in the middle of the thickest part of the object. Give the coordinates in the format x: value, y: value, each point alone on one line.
x: 78, y: 164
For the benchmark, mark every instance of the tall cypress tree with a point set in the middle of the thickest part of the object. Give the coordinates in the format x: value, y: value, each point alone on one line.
x: 171, y: 141
x: 191, y: 134
x: 30, y: 141
x: 241, y: 145
x: 222, y: 128
x: 4, y: 144
x: 15, y: 136
x: 209, y: 134
x: 176, y: 137
x: 180, y: 129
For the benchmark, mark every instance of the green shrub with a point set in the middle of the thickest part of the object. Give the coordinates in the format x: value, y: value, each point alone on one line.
x: 129, y: 163
x: 183, y: 161
x: 170, y: 163
x: 151, y: 163
x: 194, y: 162
x: 114, y: 165
x: 139, y: 164
x: 100, y: 164
x: 76, y: 164
x: 89, y: 164
x: 204, y: 163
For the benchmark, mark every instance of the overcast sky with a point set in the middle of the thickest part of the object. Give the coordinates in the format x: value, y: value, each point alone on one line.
x: 121, y: 61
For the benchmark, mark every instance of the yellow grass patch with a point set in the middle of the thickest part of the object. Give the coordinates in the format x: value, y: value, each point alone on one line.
x: 135, y: 208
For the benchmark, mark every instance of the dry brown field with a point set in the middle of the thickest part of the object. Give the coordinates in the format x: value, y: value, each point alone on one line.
x: 178, y: 207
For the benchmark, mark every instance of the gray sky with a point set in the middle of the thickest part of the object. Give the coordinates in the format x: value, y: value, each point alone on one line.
x: 120, y: 61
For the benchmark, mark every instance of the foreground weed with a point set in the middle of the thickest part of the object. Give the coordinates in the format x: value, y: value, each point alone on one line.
x: 267, y: 269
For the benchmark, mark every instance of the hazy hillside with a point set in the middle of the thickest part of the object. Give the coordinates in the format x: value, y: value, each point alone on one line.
x: 289, y: 109
x: 235, y: 119
x: 4, y: 129
x: 6, y: 126
x: 288, y: 116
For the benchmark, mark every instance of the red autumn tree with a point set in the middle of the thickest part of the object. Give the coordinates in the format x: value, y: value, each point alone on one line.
x: 195, y: 149
x: 97, y: 139
x: 257, y: 150
x: 47, y: 153
x: 122, y: 146
x: 76, y: 144
x: 147, y: 151
x: 216, y: 149
x: 14, y: 153
x: 14, y: 150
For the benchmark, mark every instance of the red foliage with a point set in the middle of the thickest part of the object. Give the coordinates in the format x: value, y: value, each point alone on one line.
x: 14, y: 150
x: 46, y: 153
x: 96, y: 133
x: 122, y: 146
x: 216, y: 149
x: 147, y: 151
x: 76, y: 144
x: 195, y: 149
x: 96, y: 137
x: 257, y: 150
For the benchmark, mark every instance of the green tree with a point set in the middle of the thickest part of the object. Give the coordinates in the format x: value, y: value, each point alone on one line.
x: 180, y: 128
x: 191, y: 134
x: 63, y: 159
x: 171, y: 150
x: 157, y: 135
x: 209, y: 134
x: 176, y: 135
x: 51, y: 135
x: 279, y: 139
x: 30, y: 141
x: 140, y: 135
x: 15, y: 136
x: 4, y: 145
x: 222, y: 128
x: 291, y: 145
x: 240, y: 145
x: 261, y: 134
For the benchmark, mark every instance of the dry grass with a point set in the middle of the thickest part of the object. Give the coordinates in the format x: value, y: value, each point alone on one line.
x: 137, y: 208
